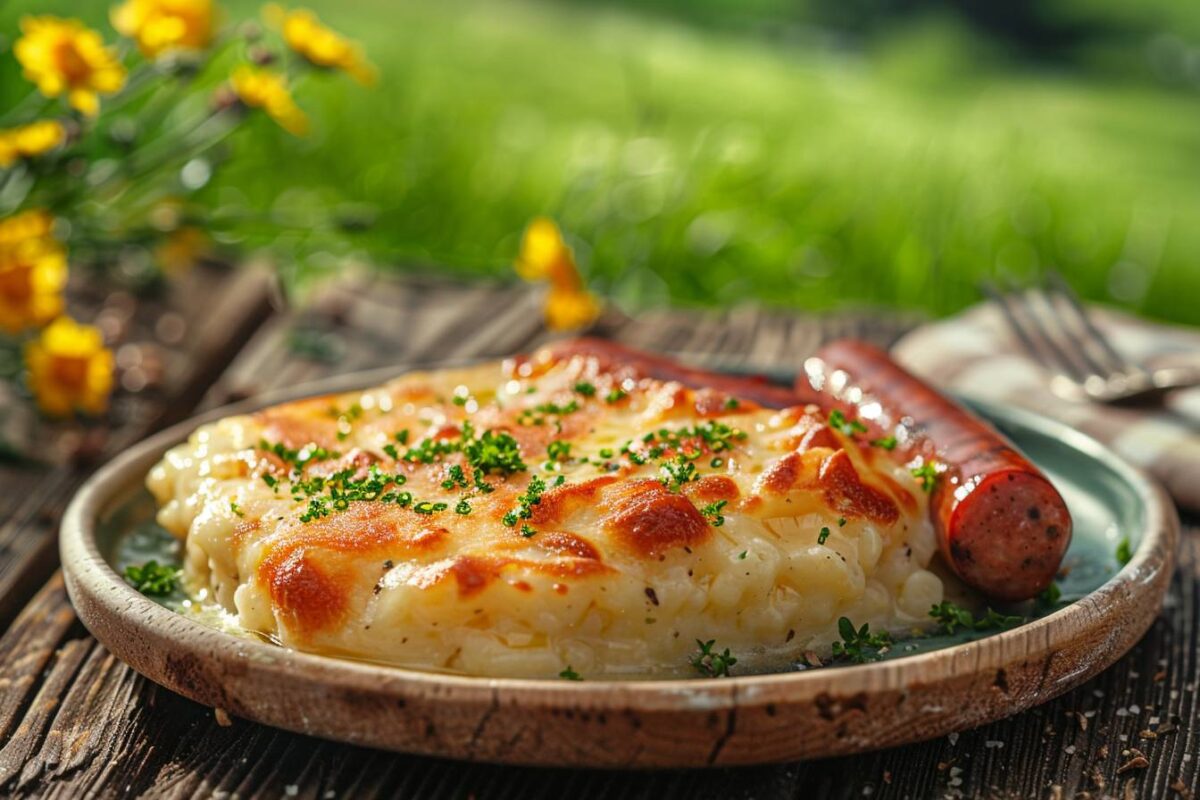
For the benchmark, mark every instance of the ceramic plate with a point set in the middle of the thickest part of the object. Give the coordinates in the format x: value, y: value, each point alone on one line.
x: 923, y: 688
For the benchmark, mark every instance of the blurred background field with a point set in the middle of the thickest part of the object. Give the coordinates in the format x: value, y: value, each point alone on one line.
x: 805, y: 154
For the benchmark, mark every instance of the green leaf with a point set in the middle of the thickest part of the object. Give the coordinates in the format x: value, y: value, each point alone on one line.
x: 153, y: 579
x: 712, y: 664
x: 1050, y: 595
x: 1124, y: 551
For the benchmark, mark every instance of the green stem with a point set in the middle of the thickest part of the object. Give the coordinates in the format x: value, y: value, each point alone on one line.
x: 29, y: 108
x: 211, y: 130
x: 138, y: 79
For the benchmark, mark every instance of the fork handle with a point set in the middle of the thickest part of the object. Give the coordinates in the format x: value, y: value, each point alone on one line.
x: 1175, y: 377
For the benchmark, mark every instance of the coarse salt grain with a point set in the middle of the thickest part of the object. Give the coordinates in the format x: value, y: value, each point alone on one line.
x: 1090, y: 714
x: 1069, y: 749
x: 1121, y: 712
x: 1154, y: 720
x: 993, y: 743
x: 1135, y: 709
x: 1123, y: 737
x: 953, y: 737
x: 291, y: 790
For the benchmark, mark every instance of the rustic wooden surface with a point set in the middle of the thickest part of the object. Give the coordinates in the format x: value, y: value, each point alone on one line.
x: 74, y: 721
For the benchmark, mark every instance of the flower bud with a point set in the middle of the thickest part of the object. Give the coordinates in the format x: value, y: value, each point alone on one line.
x: 261, y: 56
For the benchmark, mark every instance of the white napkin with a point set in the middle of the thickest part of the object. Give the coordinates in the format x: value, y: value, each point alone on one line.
x: 976, y: 354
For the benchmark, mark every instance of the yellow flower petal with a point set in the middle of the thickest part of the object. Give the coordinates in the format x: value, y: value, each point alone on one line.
x: 319, y: 45
x: 570, y: 310
x: 260, y: 88
x: 39, y: 137
x: 33, y: 271
x: 32, y: 224
x: 84, y: 101
x: 545, y: 256
x: 29, y: 141
x: 163, y: 26
x: 69, y: 368
x: 542, y: 248
x: 61, y: 56
x: 8, y: 150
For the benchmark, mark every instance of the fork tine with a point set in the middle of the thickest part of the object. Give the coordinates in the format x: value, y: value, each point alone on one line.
x: 1040, y: 313
x: 1014, y: 305
x: 1091, y: 337
x: 1071, y: 342
x: 1026, y: 337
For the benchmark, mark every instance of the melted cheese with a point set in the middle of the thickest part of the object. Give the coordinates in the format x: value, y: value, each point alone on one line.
x: 615, y: 572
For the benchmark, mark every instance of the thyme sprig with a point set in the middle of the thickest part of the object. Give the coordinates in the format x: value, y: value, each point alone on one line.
x: 859, y: 644
x: 951, y: 617
x: 153, y: 579
x: 711, y: 664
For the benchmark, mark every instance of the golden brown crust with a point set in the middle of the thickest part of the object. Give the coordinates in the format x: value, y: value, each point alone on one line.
x: 846, y: 493
x: 615, y: 475
x: 650, y: 520
x: 643, y: 517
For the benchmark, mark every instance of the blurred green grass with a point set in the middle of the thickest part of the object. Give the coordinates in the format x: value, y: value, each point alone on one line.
x: 698, y: 166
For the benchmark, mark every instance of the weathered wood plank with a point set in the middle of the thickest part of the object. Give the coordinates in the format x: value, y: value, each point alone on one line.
x: 402, y: 325
x: 28, y: 647
x: 207, y: 315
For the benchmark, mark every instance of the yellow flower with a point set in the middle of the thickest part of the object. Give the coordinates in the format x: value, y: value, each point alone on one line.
x: 69, y: 368
x: 32, y: 275
x: 260, y: 88
x: 322, y: 47
x: 160, y: 26
x: 544, y: 254
x: 33, y: 270
x: 30, y: 224
x: 546, y: 257
x: 570, y: 309
x: 62, y: 56
x: 28, y: 141
x: 181, y: 249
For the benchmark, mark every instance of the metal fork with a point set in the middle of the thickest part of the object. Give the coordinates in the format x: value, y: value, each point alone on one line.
x: 1054, y: 327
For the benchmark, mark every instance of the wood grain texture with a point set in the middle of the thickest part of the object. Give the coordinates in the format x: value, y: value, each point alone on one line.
x: 112, y: 733
x: 207, y: 315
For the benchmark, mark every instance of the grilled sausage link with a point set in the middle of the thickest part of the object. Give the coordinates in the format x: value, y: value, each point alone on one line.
x: 613, y: 355
x: 1001, y: 524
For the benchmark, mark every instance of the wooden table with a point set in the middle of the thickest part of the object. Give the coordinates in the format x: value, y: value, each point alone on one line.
x: 75, y: 721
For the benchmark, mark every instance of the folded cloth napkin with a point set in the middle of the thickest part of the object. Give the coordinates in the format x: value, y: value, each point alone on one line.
x: 975, y: 354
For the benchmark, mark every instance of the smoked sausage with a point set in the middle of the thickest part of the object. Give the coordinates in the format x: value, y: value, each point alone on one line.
x: 612, y: 355
x: 1001, y: 524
